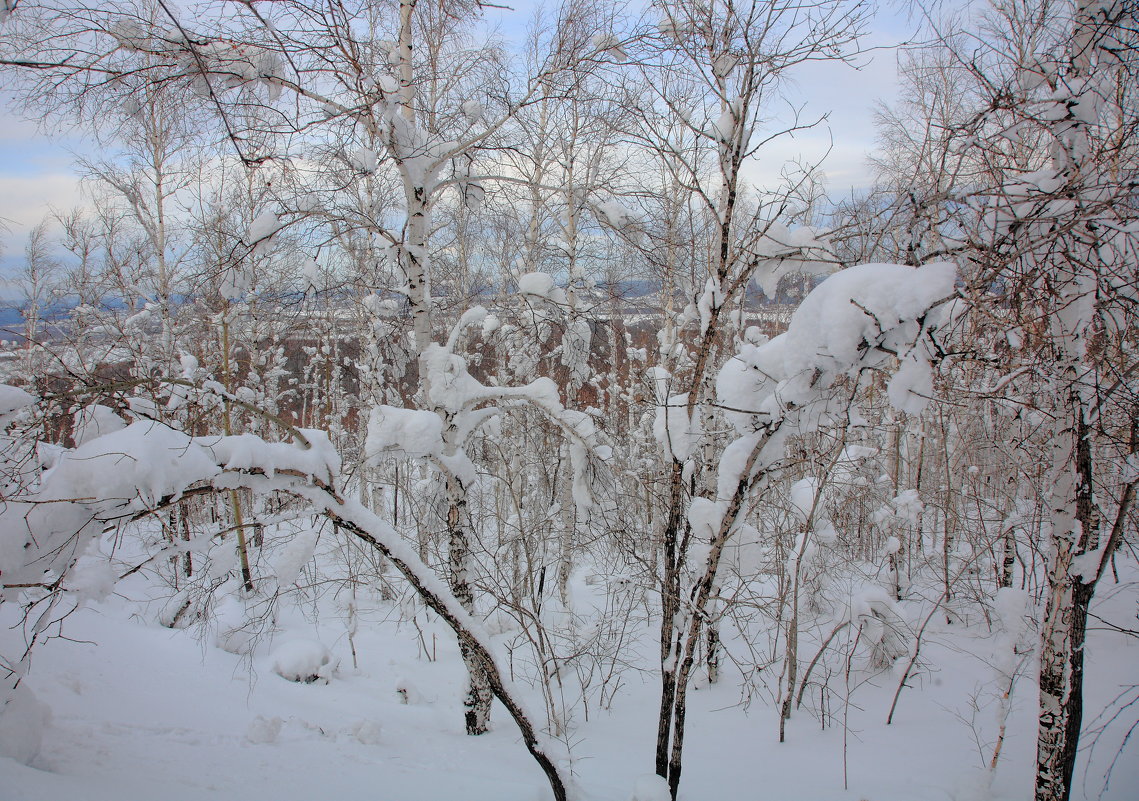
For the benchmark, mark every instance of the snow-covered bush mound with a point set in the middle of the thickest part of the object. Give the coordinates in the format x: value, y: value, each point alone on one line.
x: 235, y: 632
x: 22, y: 719
x: 12, y: 399
x: 301, y: 660
x: 366, y: 732
x: 264, y: 731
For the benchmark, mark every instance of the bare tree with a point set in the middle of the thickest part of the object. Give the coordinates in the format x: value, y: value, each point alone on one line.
x: 1039, y: 223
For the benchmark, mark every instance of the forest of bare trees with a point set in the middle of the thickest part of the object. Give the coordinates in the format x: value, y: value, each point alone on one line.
x: 371, y: 303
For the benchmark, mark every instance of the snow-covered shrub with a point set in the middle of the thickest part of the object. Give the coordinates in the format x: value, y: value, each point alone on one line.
x: 264, y: 731
x: 22, y: 720
x: 302, y: 660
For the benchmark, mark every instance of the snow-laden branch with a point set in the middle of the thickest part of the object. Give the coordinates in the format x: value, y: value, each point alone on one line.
x: 460, y: 404
x: 147, y: 465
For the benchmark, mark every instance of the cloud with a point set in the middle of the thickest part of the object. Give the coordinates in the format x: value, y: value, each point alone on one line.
x: 17, y: 129
x: 27, y: 199
x: 843, y: 162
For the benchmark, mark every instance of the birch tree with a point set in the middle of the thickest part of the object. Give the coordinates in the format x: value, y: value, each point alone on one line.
x: 714, y: 68
x: 1044, y: 226
x: 1066, y: 226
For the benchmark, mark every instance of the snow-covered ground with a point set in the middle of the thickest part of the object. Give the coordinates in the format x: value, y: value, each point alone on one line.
x: 144, y: 712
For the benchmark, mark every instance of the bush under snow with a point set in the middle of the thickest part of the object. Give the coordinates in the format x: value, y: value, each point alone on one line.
x: 22, y: 719
x: 305, y: 661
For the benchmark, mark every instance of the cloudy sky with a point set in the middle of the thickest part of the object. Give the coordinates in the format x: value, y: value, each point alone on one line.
x: 36, y: 173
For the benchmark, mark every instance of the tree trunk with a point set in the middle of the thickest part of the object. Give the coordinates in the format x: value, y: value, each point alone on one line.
x: 1075, y: 531
x: 370, y: 529
x: 670, y: 605
x: 1008, y: 558
x: 476, y: 701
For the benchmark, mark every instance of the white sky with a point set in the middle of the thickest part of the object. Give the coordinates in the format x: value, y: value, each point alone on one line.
x: 36, y: 175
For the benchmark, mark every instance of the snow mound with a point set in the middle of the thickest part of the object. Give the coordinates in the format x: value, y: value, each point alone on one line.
x: 406, y: 692
x: 178, y: 612
x: 22, y: 720
x: 295, y: 556
x: 366, y: 732
x: 304, y: 661
x: 13, y: 399
x: 235, y: 633
x: 95, y: 421
x: 92, y: 578
x: 264, y: 731
x: 651, y: 787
